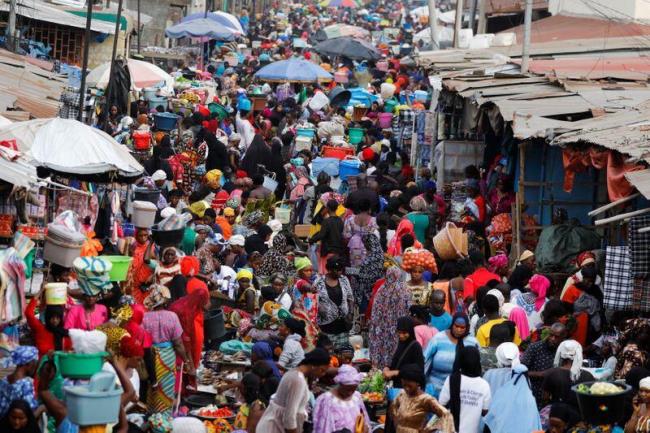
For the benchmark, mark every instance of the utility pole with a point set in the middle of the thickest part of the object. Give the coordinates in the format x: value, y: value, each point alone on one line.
x: 472, y: 13
x: 84, y: 66
x: 139, y: 27
x: 458, y: 24
x: 525, y: 54
x: 482, y: 17
x: 113, y: 55
x: 11, y: 42
x: 433, y: 25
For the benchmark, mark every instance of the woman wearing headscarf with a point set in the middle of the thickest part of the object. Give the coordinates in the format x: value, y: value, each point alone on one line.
x: 441, y: 353
x: 372, y: 269
x: 262, y: 351
x: 520, y: 319
x: 419, y: 217
x: 140, y: 272
x: 585, y: 259
x: 287, y: 411
x: 408, y: 351
x: 275, y: 259
x: 276, y: 165
x: 405, y: 227
x: 640, y: 419
x: 533, y: 301
x: 335, y: 302
x: 257, y: 240
x: 466, y: 380
x: 300, y: 182
x: 166, y: 335
x: 507, y: 355
x: 566, y: 373
x: 391, y: 302
x: 189, y: 310
x: 50, y: 335
x: 342, y: 407
x: 258, y: 153
x: 19, y: 385
x: 412, y: 407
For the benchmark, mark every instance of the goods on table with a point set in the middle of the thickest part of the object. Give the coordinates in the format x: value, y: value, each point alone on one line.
x: 213, y: 411
x: 373, y: 397
x: 218, y: 426
x: 373, y: 383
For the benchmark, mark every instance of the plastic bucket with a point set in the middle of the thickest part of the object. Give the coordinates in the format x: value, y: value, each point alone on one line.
x: 79, y: 365
x: 141, y: 140
x: 120, y: 267
x: 87, y: 407
x: 149, y: 93
x: 602, y: 409
x: 144, y: 214
x: 56, y: 293
x: 146, y: 194
x: 214, y: 325
x: 167, y: 238
x: 349, y: 167
x: 385, y: 120
x: 165, y: 121
x: 356, y: 135
x: 283, y: 214
x: 158, y: 101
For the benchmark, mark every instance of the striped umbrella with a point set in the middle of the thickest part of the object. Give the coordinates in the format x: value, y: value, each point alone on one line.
x: 143, y: 74
x: 340, y: 4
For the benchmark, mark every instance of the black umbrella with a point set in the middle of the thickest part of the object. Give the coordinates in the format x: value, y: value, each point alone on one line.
x: 354, y: 49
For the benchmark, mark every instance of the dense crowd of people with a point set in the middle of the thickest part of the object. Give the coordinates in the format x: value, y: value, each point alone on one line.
x: 483, y: 342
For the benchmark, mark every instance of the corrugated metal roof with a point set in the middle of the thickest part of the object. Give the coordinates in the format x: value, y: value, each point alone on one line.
x: 627, y: 132
x: 567, y: 28
x: 32, y: 89
x: 641, y: 181
x: 42, y: 11
x: 589, y: 68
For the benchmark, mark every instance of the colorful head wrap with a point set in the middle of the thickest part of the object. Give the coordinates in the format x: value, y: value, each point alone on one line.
x: 244, y: 273
x: 301, y: 263
x: 190, y: 266
x: 24, y: 355
x: 539, y: 284
x: 348, y: 375
x: 213, y: 178
x: 198, y: 208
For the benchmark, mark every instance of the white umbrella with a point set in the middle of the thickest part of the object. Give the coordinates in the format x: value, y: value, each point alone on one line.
x: 70, y: 146
x: 143, y: 74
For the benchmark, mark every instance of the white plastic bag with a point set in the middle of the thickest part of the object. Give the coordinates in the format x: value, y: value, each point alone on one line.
x: 88, y: 341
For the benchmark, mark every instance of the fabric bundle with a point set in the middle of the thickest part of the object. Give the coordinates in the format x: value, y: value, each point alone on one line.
x: 93, y: 275
x: 618, y: 289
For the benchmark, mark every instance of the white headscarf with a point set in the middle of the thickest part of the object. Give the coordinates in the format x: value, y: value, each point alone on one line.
x: 507, y: 355
x: 645, y: 383
x: 158, y: 175
x: 497, y: 294
x: 570, y: 349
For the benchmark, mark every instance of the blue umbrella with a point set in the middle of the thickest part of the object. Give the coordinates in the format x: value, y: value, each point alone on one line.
x: 200, y: 28
x: 224, y: 18
x: 293, y: 70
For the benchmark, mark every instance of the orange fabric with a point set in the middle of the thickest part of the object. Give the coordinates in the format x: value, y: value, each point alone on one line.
x: 582, y: 325
x: 577, y: 161
x: 226, y: 228
x: 139, y: 273
x: 571, y: 294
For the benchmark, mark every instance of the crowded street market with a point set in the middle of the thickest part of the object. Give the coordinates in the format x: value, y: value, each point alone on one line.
x: 322, y: 221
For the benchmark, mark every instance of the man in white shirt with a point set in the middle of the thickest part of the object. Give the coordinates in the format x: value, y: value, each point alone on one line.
x: 245, y: 129
x: 225, y: 279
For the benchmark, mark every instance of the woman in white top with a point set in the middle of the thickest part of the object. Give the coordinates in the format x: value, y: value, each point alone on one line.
x: 293, y: 331
x: 465, y: 392
x: 287, y: 410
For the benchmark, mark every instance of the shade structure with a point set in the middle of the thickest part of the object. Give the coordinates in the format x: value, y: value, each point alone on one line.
x: 354, y: 49
x: 340, y: 4
x: 15, y: 169
x: 294, y: 71
x: 201, y: 28
x: 71, y: 147
x: 143, y: 74
x: 221, y: 17
x: 340, y: 30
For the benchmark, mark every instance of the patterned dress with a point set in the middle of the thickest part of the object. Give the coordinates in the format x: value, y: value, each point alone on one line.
x: 391, y: 302
x: 332, y: 414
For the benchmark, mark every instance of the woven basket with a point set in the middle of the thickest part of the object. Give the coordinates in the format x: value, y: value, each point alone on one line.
x: 448, y: 242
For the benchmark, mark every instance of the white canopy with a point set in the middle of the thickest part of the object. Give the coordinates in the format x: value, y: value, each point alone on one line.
x: 70, y: 146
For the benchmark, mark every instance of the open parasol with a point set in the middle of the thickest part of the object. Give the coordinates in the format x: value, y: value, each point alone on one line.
x: 293, y: 71
x: 354, y: 49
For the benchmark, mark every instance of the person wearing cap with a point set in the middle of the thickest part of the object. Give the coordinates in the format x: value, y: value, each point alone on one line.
x: 19, y: 385
x: 527, y: 258
x: 287, y: 411
x: 342, y: 407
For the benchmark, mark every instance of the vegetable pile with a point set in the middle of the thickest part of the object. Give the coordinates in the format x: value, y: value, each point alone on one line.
x: 213, y: 411
x: 373, y: 383
x: 599, y: 388
x: 413, y: 258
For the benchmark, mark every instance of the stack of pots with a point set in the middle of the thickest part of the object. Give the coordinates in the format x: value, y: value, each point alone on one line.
x: 62, y: 246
